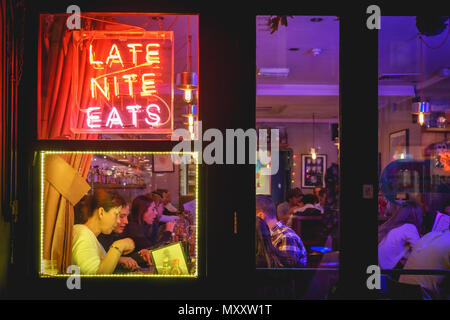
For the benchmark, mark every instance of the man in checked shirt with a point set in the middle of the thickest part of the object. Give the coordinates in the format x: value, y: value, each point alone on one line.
x: 292, y: 251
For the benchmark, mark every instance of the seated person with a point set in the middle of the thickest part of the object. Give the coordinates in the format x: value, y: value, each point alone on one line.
x: 446, y: 207
x: 432, y: 251
x: 398, y: 235
x: 286, y: 208
x: 139, y: 228
x: 267, y: 256
x: 129, y: 262
x: 98, y: 213
x: 283, y: 238
x: 321, y: 197
x: 169, y: 208
x: 308, y: 208
x: 157, y: 197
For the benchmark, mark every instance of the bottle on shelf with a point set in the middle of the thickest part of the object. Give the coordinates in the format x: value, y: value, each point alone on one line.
x: 176, y: 270
x: 165, y: 268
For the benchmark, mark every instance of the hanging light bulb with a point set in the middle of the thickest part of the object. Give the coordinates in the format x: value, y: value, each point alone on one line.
x: 188, y: 95
x: 421, y: 109
x: 187, y: 81
x: 313, y: 149
x: 421, y: 118
x: 313, y: 153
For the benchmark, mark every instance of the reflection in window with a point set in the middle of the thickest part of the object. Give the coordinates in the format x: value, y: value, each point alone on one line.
x: 414, y: 105
x: 117, y: 213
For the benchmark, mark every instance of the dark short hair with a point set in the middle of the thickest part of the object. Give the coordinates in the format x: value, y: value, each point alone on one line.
x: 161, y: 191
x: 322, y: 192
x: 157, y: 192
x: 265, y: 204
x: 445, y: 204
x: 296, y: 192
x: 99, y: 198
x: 309, y: 198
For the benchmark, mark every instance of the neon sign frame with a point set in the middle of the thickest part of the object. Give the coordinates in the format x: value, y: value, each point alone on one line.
x: 147, y: 111
x: 44, y: 153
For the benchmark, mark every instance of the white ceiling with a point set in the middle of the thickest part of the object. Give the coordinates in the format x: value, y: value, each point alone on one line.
x: 313, y: 81
x: 312, y: 85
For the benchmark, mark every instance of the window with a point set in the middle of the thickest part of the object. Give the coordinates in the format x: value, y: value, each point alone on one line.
x: 121, y: 76
x: 414, y: 104
x: 297, y: 59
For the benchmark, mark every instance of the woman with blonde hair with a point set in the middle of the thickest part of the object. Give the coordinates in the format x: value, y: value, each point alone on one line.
x: 398, y: 235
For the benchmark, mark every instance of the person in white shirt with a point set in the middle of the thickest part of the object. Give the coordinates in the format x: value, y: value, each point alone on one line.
x: 430, y: 252
x: 321, y: 195
x: 309, y: 206
x: 98, y: 213
x: 398, y: 235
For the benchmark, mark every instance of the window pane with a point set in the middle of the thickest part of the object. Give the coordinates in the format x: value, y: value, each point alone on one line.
x: 120, y: 76
x: 118, y: 214
x: 414, y: 106
x: 298, y: 95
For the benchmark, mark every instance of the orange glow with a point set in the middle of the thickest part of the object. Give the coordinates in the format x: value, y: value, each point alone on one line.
x: 148, y: 85
x: 97, y: 64
x: 95, y: 85
x: 130, y: 81
x: 188, y: 95
x: 152, y: 56
x: 445, y: 160
x: 421, y: 118
x: 116, y: 87
x: 115, y: 58
x: 134, y: 51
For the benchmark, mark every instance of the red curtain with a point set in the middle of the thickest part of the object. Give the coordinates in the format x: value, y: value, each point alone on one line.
x: 59, y: 96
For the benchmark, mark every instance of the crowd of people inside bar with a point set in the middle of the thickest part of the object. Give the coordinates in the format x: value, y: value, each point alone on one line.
x: 279, y: 242
x: 112, y: 235
x: 404, y: 240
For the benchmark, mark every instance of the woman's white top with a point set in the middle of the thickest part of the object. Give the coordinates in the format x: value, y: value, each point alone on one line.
x: 396, y: 244
x: 87, y: 252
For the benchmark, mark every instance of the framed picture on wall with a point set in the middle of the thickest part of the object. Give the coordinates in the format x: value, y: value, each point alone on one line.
x: 163, y: 163
x: 398, y: 144
x: 313, y: 171
x: 263, y: 181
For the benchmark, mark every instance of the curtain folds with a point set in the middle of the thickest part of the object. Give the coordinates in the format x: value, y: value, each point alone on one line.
x: 60, y: 95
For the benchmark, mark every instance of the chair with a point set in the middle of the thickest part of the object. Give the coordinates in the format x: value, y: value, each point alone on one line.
x: 310, y: 231
x: 395, y: 290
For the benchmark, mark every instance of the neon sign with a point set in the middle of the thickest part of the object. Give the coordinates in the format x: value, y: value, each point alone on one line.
x: 130, y: 82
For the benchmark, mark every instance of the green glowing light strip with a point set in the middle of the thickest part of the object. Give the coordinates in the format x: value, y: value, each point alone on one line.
x: 42, y: 272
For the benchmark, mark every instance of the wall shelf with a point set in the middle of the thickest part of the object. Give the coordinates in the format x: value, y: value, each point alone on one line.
x: 444, y: 130
x: 119, y: 186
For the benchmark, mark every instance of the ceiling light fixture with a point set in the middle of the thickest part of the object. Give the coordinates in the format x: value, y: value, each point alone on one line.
x: 421, y: 108
x: 316, y: 51
x: 273, y: 72
x: 316, y: 19
x: 313, y: 149
x: 188, y: 81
